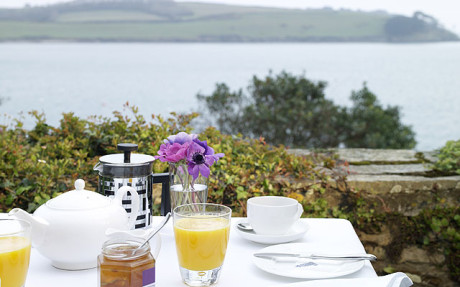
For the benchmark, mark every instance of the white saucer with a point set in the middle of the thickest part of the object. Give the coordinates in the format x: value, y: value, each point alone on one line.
x: 297, y: 231
x: 305, y: 268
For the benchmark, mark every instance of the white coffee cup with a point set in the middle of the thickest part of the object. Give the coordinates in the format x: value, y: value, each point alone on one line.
x: 273, y: 215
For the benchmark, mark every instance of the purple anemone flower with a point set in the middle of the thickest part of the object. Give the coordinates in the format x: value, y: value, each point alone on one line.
x: 200, y: 157
x: 172, y: 152
x: 187, y: 148
x: 180, y: 138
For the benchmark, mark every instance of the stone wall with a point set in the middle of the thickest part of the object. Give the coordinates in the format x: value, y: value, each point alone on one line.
x: 403, y: 183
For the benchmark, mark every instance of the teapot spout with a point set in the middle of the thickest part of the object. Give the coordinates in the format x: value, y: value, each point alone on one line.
x: 39, y: 225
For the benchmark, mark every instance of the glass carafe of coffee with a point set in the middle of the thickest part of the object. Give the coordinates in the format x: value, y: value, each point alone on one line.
x: 135, y: 170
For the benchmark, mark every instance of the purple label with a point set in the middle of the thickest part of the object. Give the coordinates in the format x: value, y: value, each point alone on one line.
x: 148, y: 277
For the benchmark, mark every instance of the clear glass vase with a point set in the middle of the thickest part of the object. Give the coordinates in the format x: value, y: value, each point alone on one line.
x: 183, y: 188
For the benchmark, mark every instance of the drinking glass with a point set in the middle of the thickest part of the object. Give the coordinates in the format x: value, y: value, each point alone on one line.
x: 184, y: 188
x: 14, y: 252
x: 202, y: 232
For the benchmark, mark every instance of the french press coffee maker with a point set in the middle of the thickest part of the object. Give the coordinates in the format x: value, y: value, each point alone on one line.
x: 133, y: 170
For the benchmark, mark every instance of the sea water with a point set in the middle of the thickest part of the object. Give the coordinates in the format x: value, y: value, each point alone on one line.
x: 159, y: 78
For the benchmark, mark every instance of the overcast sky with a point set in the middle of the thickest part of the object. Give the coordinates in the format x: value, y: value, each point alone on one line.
x: 446, y: 11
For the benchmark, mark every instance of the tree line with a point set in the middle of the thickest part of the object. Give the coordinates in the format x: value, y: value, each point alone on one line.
x: 293, y: 111
x: 419, y: 27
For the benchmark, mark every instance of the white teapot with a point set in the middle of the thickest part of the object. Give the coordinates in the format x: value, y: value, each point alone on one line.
x: 71, y: 228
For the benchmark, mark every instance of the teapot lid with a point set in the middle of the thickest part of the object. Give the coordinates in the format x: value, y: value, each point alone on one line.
x: 78, y: 199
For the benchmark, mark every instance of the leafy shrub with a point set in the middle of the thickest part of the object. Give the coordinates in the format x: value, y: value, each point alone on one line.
x: 368, y: 124
x: 252, y: 168
x: 283, y: 109
x: 292, y: 110
x: 45, y: 161
x: 449, y: 158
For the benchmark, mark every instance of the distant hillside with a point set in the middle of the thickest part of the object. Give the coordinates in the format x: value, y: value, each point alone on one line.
x: 168, y: 21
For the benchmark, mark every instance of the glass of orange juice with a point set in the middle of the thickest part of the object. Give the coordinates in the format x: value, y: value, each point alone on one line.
x: 202, y: 232
x: 14, y: 252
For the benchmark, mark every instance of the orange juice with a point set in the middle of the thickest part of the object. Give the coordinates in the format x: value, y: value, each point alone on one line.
x: 14, y: 260
x: 201, y: 242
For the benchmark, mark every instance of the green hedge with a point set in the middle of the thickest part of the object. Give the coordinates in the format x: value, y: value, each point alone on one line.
x: 41, y: 163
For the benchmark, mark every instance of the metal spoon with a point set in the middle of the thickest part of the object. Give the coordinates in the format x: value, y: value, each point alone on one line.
x: 159, y: 227
x: 244, y: 226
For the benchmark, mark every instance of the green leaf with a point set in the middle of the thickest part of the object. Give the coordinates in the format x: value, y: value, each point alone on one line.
x: 241, y: 193
x: 389, y: 269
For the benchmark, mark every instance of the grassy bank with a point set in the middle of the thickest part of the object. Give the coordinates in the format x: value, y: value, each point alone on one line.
x: 202, y: 22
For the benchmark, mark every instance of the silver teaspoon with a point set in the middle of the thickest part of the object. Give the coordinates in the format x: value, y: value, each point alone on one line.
x: 244, y: 226
x: 158, y: 228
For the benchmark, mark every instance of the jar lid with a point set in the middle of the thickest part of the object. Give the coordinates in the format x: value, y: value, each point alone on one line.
x: 125, y: 248
x: 78, y: 199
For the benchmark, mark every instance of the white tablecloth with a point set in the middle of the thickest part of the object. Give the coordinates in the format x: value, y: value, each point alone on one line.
x: 238, y: 269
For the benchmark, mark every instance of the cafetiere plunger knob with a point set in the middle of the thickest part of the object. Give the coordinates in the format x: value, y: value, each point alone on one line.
x: 127, y: 148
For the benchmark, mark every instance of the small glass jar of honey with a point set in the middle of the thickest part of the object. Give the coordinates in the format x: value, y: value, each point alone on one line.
x: 123, y: 264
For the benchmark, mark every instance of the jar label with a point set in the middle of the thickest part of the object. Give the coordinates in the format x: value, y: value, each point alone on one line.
x: 148, y: 277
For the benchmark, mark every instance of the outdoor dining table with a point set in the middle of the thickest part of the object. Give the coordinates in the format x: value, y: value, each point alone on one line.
x: 238, y: 268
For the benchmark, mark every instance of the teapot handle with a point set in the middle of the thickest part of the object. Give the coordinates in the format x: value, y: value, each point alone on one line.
x: 134, y: 202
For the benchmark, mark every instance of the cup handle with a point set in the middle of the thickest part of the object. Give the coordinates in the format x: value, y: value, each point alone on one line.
x: 299, y: 211
x: 134, y: 202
